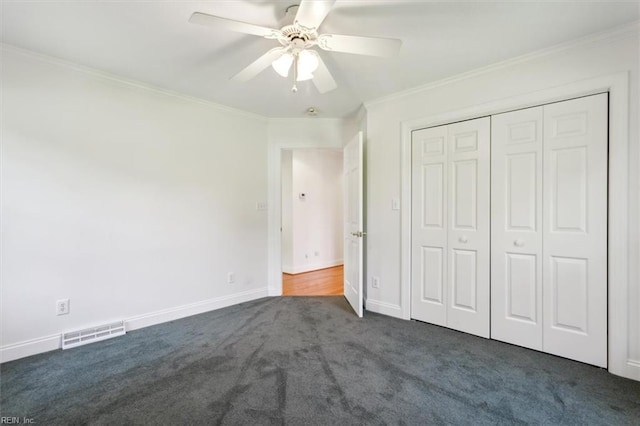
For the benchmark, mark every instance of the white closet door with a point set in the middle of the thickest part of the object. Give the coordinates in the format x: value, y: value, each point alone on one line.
x: 516, y: 227
x: 468, y: 226
x: 429, y: 225
x: 575, y: 229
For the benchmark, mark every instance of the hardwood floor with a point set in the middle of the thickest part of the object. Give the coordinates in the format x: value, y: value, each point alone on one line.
x: 325, y: 282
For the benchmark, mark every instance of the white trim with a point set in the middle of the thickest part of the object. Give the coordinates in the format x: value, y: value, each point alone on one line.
x: 383, y: 308
x: 618, y: 245
x: 301, y: 269
x: 627, y: 30
x: 54, y: 342
x: 128, y: 82
x: 166, y: 315
x: 30, y: 347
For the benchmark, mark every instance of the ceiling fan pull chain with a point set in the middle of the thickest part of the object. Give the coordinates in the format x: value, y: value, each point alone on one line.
x: 294, y: 89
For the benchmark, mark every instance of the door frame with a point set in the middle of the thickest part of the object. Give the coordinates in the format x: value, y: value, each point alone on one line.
x: 274, y: 207
x: 617, y: 85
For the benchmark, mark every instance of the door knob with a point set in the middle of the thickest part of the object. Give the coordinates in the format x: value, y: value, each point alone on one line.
x: 518, y: 242
x: 463, y: 239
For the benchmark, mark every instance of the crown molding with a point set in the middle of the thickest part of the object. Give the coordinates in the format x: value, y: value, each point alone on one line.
x: 631, y: 30
x: 127, y: 82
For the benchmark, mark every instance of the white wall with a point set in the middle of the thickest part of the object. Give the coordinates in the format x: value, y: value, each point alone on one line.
x: 600, y: 56
x: 312, y: 229
x: 132, y: 202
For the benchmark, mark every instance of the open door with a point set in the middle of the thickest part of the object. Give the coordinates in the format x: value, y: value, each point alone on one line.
x: 353, y: 232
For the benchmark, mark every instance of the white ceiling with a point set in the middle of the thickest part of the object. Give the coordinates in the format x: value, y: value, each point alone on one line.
x: 152, y: 42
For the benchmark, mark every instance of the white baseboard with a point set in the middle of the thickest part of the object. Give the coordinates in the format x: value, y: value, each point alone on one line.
x: 30, y: 347
x: 166, y: 315
x: 384, y: 308
x: 51, y: 343
x: 299, y: 269
x: 632, y: 370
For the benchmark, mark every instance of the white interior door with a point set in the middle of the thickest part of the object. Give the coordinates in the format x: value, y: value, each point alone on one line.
x: 353, y: 223
x: 575, y: 229
x: 516, y: 227
x: 429, y: 225
x: 468, y: 236
x: 450, y: 226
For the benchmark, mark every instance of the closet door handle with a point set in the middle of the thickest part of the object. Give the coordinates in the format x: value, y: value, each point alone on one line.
x: 463, y: 239
x: 518, y: 242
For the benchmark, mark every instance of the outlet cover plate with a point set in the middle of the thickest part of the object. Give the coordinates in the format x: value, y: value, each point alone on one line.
x: 62, y: 307
x: 375, y: 282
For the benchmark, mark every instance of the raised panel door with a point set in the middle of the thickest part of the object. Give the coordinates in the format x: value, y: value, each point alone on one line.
x: 575, y: 229
x: 468, y: 230
x: 516, y: 227
x: 429, y: 225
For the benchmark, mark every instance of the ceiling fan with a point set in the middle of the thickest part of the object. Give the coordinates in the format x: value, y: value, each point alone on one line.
x: 297, y: 44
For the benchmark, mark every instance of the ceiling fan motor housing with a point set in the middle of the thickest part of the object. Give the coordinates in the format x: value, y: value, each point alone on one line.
x: 297, y: 36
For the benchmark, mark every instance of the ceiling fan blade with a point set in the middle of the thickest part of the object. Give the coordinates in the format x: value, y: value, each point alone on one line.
x: 259, y: 64
x: 230, y: 24
x: 374, y: 46
x: 311, y: 13
x: 322, y: 78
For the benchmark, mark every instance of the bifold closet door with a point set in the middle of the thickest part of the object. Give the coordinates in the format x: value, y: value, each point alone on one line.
x: 450, y: 226
x: 516, y: 227
x: 429, y: 225
x: 549, y: 228
x: 575, y: 229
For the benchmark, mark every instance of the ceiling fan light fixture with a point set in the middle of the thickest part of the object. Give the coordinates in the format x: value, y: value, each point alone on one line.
x: 307, y: 61
x: 307, y: 64
x: 282, y: 65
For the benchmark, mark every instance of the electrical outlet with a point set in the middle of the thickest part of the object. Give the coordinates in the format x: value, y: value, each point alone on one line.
x: 375, y: 282
x: 62, y: 307
x: 260, y: 205
x: 231, y: 277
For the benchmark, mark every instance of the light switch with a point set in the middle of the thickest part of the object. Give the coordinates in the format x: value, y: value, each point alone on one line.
x: 395, y: 204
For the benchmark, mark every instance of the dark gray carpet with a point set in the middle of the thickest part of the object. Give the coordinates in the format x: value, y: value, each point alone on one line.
x: 309, y: 360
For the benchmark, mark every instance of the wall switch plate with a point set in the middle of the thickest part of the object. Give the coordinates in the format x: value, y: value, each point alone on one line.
x: 261, y: 205
x: 62, y: 307
x: 231, y: 278
x: 375, y: 282
x: 395, y: 204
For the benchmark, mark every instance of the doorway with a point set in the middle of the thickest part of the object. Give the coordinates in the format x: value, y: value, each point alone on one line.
x: 312, y: 222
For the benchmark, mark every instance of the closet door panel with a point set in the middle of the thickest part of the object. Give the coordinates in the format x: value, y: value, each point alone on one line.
x: 516, y: 227
x: 468, y: 231
x: 429, y: 225
x: 575, y: 229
